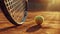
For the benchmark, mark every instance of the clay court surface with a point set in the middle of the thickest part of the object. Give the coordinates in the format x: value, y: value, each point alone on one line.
x: 51, y: 24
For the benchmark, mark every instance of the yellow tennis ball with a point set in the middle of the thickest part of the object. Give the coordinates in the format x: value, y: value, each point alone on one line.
x: 39, y: 19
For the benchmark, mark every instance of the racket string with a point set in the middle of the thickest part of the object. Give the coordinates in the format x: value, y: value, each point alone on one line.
x: 16, y: 9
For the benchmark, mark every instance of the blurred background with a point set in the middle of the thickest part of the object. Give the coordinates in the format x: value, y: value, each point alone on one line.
x: 51, y: 5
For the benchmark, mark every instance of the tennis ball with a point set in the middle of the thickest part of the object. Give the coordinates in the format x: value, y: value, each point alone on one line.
x: 39, y: 20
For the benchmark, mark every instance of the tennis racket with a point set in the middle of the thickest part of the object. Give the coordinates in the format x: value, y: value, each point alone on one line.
x: 14, y: 10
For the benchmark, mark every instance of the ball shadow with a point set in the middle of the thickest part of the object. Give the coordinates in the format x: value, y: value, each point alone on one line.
x: 33, y: 28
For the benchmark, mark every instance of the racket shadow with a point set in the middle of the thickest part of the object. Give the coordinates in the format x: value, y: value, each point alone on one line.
x: 7, y: 28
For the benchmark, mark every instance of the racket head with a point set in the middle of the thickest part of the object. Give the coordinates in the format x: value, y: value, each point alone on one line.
x: 14, y: 10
